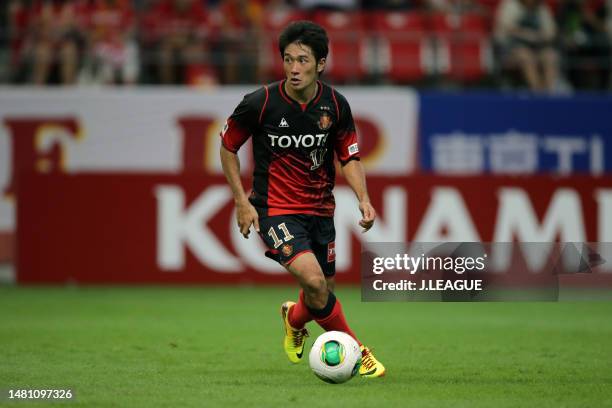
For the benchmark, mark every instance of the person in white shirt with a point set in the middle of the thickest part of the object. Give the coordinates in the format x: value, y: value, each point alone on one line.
x: 526, y: 31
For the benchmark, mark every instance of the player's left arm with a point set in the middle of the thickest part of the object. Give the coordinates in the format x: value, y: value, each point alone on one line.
x: 347, y: 152
x: 355, y: 177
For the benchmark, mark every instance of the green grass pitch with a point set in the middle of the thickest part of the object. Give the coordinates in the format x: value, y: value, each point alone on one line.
x: 221, y: 346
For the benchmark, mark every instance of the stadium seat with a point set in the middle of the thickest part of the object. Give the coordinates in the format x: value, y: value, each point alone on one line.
x: 404, y: 52
x: 349, y: 52
x: 273, y: 23
x: 555, y: 5
x: 18, y: 21
x: 463, y: 48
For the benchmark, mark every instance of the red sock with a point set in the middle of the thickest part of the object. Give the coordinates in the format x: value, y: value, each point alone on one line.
x: 299, y: 314
x: 337, y: 321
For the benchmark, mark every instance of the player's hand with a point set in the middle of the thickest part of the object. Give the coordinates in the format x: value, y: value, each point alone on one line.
x: 368, y: 214
x: 246, y: 215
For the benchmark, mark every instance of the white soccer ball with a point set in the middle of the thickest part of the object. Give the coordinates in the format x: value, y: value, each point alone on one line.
x: 335, y: 357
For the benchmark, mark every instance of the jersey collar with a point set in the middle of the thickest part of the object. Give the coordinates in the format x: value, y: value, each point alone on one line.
x: 293, y: 102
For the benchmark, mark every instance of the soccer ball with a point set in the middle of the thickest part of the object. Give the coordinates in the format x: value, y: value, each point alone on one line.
x: 335, y: 357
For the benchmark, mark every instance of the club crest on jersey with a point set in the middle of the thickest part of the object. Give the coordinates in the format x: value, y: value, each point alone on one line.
x: 325, y: 121
x: 287, y: 249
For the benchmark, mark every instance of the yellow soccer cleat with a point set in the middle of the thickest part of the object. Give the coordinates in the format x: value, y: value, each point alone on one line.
x: 370, y: 366
x: 294, y: 339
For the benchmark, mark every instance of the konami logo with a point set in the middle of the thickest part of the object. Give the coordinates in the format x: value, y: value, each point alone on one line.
x: 448, y: 214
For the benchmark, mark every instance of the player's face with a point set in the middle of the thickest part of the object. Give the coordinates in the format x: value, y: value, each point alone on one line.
x: 301, y: 67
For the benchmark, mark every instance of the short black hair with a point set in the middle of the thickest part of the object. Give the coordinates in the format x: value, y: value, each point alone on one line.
x: 306, y: 33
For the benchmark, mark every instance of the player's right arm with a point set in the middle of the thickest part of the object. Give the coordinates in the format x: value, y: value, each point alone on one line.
x: 238, y: 128
x: 246, y: 215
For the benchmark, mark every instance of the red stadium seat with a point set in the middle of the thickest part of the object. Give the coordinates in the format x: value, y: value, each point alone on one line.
x: 463, y: 46
x: 273, y: 23
x: 555, y: 5
x: 404, y: 51
x: 349, y: 51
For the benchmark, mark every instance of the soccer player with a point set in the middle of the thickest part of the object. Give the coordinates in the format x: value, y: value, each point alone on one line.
x: 297, y: 125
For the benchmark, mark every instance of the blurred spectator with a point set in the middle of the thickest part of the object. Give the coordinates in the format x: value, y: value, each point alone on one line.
x: 55, y: 40
x: 277, y: 6
x: 142, y: 5
x: 177, y: 30
x: 113, y: 53
x: 388, y: 4
x: 455, y: 6
x: 586, y: 43
x: 609, y: 18
x: 240, y: 36
x: 4, y: 21
x: 525, y: 31
x: 189, y: 41
x: 334, y: 5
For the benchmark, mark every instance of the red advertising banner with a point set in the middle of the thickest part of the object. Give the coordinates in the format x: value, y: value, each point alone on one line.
x: 159, y: 228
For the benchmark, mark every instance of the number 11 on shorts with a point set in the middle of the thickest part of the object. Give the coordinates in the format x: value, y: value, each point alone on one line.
x: 274, y: 236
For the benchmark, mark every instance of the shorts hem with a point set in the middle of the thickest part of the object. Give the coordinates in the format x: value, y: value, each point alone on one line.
x: 290, y: 261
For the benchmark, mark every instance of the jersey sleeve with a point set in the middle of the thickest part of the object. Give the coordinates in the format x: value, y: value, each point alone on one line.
x: 242, y: 122
x: 346, y: 145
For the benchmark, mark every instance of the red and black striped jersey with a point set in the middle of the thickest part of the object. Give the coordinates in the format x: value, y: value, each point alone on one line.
x: 293, y: 147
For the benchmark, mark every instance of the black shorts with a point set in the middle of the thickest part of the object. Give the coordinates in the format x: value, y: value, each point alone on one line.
x: 289, y: 236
